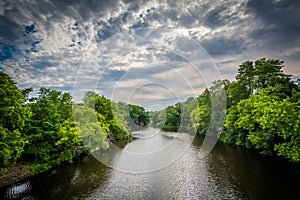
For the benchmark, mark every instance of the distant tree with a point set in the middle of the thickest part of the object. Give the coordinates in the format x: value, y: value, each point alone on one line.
x: 187, y: 107
x: 118, y: 129
x: 139, y: 116
x: 172, y: 118
x: 93, y: 129
x: 200, y: 117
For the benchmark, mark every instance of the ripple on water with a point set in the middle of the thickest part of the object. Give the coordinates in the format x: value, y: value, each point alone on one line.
x: 18, y: 190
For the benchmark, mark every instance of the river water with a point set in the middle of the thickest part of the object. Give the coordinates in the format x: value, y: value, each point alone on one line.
x: 227, y: 172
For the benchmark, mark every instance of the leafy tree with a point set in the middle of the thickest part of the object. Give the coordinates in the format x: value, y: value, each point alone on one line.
x: 262, y: 73
x: 69, y: 144
x: 246, y: 77
x: 234, y: 134
x: 200, y: 118
x: 211, y: 109
x: 118, y: 129
x: 122, y: 108
x: 172, y: 118
x: 218, y: 107
x: 92, y: 128
x: 269, y: 73
x: 187, y: 107
x: 49, y: 111
x: 253, y: 77
x: 138, y: 115
x: 158, y: 118
x: 272, y: 122
x: 235, y: 92
x: 13, y: 116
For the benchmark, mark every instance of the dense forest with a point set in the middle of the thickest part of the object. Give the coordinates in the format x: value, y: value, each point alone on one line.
x: 262, y: 113
x: 262, y: 110
x: 48, y: 130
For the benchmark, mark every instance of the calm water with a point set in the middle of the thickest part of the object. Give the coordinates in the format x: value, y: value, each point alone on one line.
x: 226, y: 173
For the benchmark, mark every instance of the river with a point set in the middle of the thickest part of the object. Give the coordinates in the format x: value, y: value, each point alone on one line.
x: 227, y: 172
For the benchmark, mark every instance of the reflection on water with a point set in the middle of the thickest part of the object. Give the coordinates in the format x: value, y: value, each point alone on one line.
x: 18, y: 190
x: 149, y: 153
x: 226, y: 173
x: 68, y: 182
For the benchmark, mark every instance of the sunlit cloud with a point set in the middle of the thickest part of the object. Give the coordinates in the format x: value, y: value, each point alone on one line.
x: 47, y: 43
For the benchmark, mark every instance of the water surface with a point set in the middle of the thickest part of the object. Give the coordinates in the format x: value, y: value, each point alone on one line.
x: 228, y: 172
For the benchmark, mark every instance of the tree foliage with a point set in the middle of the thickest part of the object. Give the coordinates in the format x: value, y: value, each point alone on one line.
x: 272, y: 122
x: 263, y: 111
x: 50, y: 110
x: 138, y: 115
x: 200, y: 117
x: 92, y: 128
x: 118, y: 129
x: 13, y: 116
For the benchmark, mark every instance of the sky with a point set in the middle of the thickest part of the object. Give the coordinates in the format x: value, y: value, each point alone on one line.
x: 150, y: 53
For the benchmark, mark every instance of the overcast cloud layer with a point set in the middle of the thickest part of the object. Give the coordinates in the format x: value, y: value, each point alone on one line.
x: 46, y: 43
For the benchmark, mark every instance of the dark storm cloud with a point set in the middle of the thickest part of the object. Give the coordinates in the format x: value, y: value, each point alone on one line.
x: 9, y: 30
x: 17, y: 16
x: 223, y: 46
x: 50, y: 39
x: 214, y: 17
x: 45, y: 64
x: 281, y: 21
x: 281, y: 18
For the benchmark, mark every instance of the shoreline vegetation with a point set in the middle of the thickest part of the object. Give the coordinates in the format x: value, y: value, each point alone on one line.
x: 262, y: 111
x: 37, y: 134
x: 42, y: 132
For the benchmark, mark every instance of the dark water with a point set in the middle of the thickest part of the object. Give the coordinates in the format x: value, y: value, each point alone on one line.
x: 226, y: 173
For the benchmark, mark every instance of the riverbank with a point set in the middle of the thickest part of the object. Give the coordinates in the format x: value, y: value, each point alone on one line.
x: 227, y: 172
x: 15, y: 173
x: 20, y: 171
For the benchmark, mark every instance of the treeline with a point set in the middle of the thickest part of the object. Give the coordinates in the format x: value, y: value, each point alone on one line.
x: 262, y: 112
x: 48, y: 130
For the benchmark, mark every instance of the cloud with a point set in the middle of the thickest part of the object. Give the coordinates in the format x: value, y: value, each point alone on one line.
x: 48, y: 43
x: 280, y: 19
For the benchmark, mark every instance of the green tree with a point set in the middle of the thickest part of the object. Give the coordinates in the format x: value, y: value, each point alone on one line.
x: 200, y: 118
x: 187, y: 107
x: 158, y: 118
x: 232, y: 133
x: 69, y: 144
x: 172, y: 118
x: 269, y: 73
x: 235, y: 92
x: 246, y: 77
x: 138, y: 115
x: 252, y: 77
x: 92, y: 128
x: 13, y: 116
x: 273, y: 123
x: 262, y: 73
x: 118, y: 129
x: 49, y: 111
